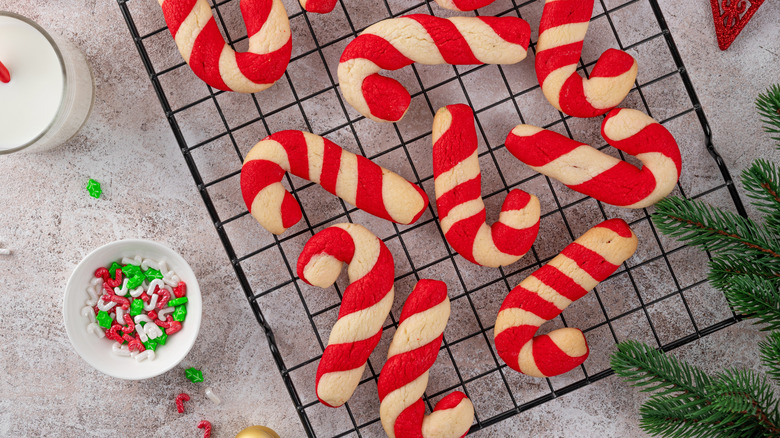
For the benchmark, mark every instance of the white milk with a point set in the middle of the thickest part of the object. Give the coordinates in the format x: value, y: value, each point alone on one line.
x: 51, y: 89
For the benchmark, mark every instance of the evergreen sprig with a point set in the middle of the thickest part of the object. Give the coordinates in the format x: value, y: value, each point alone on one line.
x: 745, y: 265
x: 768, y: 105
x: 755, y: 297
x: 714, y: 229
x: 762, y: 184
x: 770, y: 352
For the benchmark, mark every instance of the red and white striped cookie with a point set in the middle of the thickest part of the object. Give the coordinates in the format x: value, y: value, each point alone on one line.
x: 561, y: 32
x: 353, y: 178
x: 397, y: 42
x: 404, y: 376
x: 601, y: 176
x: 458, y: 185
x: 542, y: 296
x: 463, y: 5
x: 211, y: 59
x: 364, y: 306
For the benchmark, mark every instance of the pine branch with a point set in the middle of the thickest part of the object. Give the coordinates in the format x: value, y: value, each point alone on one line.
x: 762, y: 183
x: 770, y: 355
x: 768, y: 105
x: 757, y: 298
x: 748, y: 400
x: 652, y: 370
x: 716, y: 230
x: 669, y: 417
x: 725, y: 267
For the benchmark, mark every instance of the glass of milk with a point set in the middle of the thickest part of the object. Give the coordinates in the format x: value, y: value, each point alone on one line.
x: 51, y: 89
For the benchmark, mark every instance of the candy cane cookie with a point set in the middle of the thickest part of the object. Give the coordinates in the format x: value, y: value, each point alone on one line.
x: 561, y: 32
x: 542, y: 296
x: 594, y: 173
x: 353, y: 178
x: 212, y: 60
x: 364, y: 306
x: 458, y: 186
x: 397, y: 42
x: 404, y: 376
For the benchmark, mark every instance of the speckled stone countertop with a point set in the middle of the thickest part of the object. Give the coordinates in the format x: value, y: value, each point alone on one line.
x: 50, y: 223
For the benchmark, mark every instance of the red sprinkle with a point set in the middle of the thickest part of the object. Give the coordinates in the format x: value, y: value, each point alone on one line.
x: 5, y: 75
x: 129, y: 322
x: 165, y: 296
x: 114, y: 282
x: 112, y: 334
x: 180, y: 290
x: 117, y: 299
x: 102, y: 273
x: 206, y: 426
x: 152, y: 315
x: 180, y: 399
x: 170, y: 325
x: 134, y: 343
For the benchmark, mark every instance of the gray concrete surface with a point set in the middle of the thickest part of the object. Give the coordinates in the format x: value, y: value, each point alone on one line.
x: 50, y: 223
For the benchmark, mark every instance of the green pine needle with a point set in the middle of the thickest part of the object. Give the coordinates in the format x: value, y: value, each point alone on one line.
x: 669, y: 417
x: 762, y: 183
x: 768, y: 105
x: 755, y: 297
x: 725, y: 267
x: 770, y: 355
x: 747, y: 399
x: 652, y: 370
x: 716, y: 230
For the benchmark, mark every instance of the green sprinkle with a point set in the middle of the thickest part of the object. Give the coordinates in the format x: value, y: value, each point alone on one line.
x: 93, y: 187
x: 194, y: 374
x: 153, y: 274
x: 135, y: 281
x: 151, y: 344
x: 180, y: 314
x: 113, y: 268
x: 131, y: 271
x: 162, y: 338
x: 136, y: 307
x: 178, y: 301
x: 103, y: 319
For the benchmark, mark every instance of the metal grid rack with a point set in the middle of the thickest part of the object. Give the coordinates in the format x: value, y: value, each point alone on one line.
x: 660, y: 295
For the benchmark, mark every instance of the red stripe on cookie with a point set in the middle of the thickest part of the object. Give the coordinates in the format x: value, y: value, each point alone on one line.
x: 204, y: 58
x: 590, y: 261
x: 377, y: 50
x: 451, y: 44
x: 551, y: 360
x: 175, y: 12
x: 511, y: 29
x: 331, y: 163
x: 257, y: 175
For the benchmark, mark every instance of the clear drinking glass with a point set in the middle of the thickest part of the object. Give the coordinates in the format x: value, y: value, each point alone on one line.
x: 78, y: 92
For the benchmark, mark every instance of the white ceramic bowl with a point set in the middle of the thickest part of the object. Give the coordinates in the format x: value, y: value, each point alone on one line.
x: 97, y: 351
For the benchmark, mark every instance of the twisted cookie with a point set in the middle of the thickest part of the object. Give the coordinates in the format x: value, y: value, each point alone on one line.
x: 364, y: 306
x: 542, y: 296
x: 458, y: 181
x: 353, y: 178
x: 211, y: 59
x: 561, y: 32
x: 397, y: 42
x: 404, y: 376
x: 601, y: 176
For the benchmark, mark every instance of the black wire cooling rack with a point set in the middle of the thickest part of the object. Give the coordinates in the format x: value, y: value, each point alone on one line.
x: 660, y: 295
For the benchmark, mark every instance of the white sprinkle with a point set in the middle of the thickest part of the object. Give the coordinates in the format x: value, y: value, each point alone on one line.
x: 211, y: 396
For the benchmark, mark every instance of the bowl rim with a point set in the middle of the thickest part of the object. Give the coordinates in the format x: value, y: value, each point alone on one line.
x: 196, y: 321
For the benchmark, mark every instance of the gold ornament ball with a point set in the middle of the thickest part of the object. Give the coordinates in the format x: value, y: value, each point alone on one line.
x: 257, y: 432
